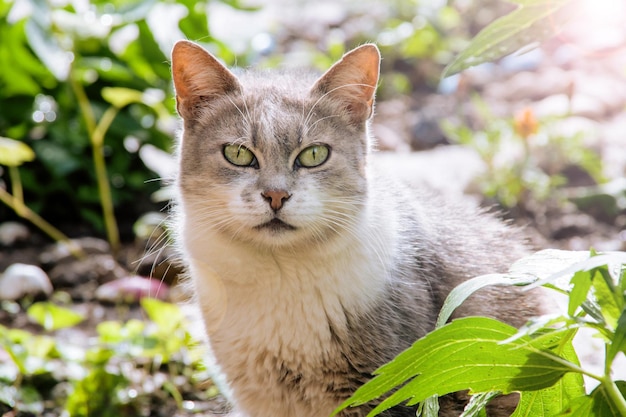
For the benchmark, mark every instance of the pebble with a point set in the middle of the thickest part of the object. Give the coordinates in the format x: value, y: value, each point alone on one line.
x: 132, y: 289
x: 98, y: 268
x: 20, y: 280
x: 59, y: 252
x: 12, y: 233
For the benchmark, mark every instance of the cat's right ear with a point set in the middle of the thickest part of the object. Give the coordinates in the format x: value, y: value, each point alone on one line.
x: 199, y: 78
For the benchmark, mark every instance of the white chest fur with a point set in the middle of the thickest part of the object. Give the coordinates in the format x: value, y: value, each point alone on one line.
x: 269, y: 310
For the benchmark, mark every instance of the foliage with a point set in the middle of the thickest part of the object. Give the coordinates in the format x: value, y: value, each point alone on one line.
x: 118, y: 373
x: 486, y: 356
x: 13, y: 154
x: 514, y: 152
x: 68, y: 71
x: 530, y: 23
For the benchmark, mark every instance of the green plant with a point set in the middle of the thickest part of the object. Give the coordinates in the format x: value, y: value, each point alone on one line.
x: 513, y: 151
x: 12, y: 155
x: 489, y: 358
x: 531, y: 22
x: 127, y: 366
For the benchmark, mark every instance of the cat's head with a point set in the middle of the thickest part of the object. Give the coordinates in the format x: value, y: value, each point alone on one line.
x: 271, y: 158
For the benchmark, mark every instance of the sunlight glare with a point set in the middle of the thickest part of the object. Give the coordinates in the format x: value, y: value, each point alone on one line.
x: 599, y: 24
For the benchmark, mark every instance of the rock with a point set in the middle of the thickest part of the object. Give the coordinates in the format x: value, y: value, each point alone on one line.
x: 59, y: 252
x: 131, y: 289
x: 98, y: 268
x: 12, y: 233
x: 20, y: 280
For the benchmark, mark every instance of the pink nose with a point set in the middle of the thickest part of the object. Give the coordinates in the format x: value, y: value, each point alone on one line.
x: 276, y: 198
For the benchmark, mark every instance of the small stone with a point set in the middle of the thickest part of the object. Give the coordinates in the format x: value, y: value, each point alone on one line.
x: 132, y: 289
x: 98, y: 268
x: 12, y: 233
x: 20, y: 280
x: 59, y: 252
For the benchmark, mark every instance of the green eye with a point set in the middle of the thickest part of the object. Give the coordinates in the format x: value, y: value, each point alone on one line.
x: 239, y: 155
x: 313, y: 156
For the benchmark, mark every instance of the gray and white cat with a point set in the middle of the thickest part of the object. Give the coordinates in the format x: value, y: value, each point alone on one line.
x: 311, y: 268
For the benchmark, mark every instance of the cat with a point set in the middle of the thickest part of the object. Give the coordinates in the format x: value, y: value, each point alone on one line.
x: 311, y: 268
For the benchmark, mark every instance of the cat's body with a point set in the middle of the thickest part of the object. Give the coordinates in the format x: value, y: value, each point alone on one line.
x: 312, y: 269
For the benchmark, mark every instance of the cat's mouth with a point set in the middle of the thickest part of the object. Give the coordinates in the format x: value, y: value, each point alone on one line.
x: 275, y: 225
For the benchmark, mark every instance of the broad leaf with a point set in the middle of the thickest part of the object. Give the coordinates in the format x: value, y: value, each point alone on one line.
x: 53, y: 317
x: 532, y: 22
x: 14, y: 153
x: 465, y: 354
x: 552, y: 400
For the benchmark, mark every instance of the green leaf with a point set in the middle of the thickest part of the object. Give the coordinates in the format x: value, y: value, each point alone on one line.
x: 429, y: 407
x: 581, y: 283
x: 597, y: 404
x: 477, y: 403
x: 577, y: 261
x: 465, y: 354
x: 461, y: 292
x: 552, y: 400
x: 14, y: 153
x: 606, y: 300
x: 166, y: 315
x: 121, y: 97
x: 540, y: 265
x: 532, y: 21
x: 618, y: 344
x: 52, y: 317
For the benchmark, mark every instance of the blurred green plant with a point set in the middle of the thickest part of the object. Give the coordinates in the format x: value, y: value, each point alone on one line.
x: 530, y: 23
x: 126, y: 367
x: 12, y: 155
x: 86, y: 86
x: 514, y: 152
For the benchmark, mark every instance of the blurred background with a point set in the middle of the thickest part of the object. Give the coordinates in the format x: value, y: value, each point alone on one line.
x: 72, y: 69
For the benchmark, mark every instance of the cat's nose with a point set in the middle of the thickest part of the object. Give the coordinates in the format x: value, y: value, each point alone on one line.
x: 276, y: 198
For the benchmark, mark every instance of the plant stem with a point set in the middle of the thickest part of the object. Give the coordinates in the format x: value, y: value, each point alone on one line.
x: 614, y: 395
x: 23, y: 211
x: 96, y: 134
x: 16, y: 189
x: 104, y: 188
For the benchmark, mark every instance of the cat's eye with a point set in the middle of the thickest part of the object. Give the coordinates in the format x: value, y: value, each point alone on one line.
x: 239, y: 155
x: 313, y: 156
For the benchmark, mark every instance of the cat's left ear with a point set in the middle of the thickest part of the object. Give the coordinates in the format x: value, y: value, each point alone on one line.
x: 352, y: 81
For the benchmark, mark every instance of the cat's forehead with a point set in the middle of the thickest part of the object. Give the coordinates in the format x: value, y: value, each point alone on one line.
x: 286, y: 82
x: 276, y: 105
